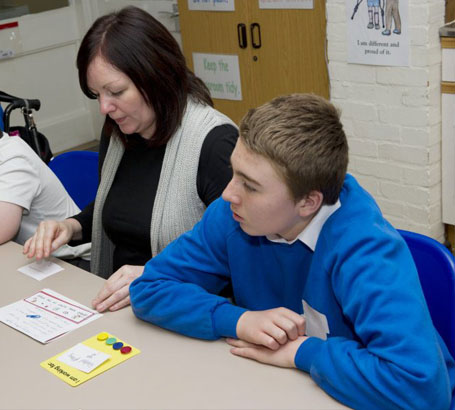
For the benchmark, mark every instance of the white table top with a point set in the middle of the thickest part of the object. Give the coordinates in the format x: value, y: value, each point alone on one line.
x: 171, y: 372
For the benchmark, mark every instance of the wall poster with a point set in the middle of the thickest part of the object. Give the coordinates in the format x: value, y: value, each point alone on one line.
x: 10, y: 40
x: 211, y: 5
x: 378, y: 32
x: 286, y: 4
x: 220, y: 73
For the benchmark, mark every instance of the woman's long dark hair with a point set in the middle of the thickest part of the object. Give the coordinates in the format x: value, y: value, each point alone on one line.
x: 143, y: 49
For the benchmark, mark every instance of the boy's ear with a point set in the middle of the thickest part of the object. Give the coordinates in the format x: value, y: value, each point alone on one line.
x: 311, y: 204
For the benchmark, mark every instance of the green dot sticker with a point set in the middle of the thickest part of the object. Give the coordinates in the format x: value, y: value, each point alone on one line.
x: 111, y: 341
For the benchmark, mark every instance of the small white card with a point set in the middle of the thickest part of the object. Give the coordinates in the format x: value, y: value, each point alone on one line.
x: 83, y: 358
x: 40, y: 270
x: 46, y: 315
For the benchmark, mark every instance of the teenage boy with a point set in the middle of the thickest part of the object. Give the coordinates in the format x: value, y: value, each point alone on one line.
x: 321, y: 281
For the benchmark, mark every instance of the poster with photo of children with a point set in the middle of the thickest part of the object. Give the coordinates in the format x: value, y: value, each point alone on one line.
x: 378, y: 32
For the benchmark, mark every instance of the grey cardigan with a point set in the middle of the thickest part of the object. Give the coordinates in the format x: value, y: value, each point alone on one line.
x: 176, y: 188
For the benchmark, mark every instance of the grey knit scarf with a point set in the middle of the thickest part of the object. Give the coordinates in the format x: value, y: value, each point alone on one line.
x: 177, y: 206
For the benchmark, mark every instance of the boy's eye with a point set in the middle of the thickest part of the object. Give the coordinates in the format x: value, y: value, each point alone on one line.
x: 249, y: 188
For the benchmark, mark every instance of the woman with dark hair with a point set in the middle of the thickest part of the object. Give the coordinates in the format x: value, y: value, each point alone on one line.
x: 164, y: 151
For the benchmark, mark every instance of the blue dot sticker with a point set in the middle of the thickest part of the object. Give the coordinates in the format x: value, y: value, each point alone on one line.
x: 117, y: 346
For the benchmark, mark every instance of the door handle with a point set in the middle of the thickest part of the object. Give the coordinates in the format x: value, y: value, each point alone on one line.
x: 255, y: 27
x: 241, y: 35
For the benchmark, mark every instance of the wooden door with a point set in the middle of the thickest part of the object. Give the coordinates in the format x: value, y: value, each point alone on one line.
x: 215, y: 32
x: 450, y: 10
x: 291, y: 57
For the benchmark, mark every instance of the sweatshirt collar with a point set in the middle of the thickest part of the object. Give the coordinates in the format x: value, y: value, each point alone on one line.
x: 309, y: 236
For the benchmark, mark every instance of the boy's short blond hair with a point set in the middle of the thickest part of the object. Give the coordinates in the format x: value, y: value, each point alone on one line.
x: 303, y: 138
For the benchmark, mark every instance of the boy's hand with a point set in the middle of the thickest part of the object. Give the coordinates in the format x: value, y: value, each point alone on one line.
x: 270, y: 328
x: 115, y: 293
x: 283, y: 357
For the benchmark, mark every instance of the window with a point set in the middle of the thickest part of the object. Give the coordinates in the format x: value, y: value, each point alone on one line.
x: 15, y: 8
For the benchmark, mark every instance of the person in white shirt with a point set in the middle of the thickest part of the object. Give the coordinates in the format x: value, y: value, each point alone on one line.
x: 30, y: 193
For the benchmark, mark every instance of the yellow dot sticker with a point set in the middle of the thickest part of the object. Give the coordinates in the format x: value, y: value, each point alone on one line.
x: 102, y: 336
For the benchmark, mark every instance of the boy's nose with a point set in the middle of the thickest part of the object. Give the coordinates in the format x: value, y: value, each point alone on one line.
x: 229, y: 193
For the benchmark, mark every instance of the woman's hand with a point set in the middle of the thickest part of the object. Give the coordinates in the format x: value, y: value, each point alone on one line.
x: 115, y: 293
x: 51, y: 235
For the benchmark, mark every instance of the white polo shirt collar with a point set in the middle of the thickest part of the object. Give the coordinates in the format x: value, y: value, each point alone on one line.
x: 309, y: 236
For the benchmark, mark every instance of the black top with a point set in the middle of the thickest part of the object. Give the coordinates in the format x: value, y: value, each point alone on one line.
x: 128, y: 208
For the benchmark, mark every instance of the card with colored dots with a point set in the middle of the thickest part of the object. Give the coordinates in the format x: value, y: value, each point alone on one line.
x: 89, y: 358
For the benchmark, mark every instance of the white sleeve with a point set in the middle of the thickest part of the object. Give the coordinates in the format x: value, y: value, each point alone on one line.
x: 19, y: 182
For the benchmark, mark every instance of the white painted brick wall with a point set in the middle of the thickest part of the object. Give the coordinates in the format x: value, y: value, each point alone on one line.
x: 392, y: 116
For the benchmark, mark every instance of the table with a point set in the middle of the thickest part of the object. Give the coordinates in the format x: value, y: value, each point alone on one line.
x: 171, y: 372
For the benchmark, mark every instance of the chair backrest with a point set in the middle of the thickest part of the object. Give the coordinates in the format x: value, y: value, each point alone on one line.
x: 78, y: 172
x: 436, y: 268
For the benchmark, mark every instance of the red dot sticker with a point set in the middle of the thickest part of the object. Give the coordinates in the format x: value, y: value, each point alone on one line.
x: 125, y: 349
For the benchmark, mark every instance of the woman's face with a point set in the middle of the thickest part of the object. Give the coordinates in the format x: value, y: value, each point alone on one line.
x: 120, y: 99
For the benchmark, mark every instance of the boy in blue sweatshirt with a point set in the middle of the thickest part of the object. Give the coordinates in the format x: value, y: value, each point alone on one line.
x: 321, y: 281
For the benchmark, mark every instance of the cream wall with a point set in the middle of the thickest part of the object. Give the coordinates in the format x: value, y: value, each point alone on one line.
x: 44, y: 67
x: 392, y: 116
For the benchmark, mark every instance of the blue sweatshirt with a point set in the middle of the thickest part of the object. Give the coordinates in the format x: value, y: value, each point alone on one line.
x: 372, y: 344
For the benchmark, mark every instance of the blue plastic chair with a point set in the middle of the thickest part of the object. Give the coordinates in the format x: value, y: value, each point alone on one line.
x: 1, y: 118
x: 436, y: 268
x: 78, y: 172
